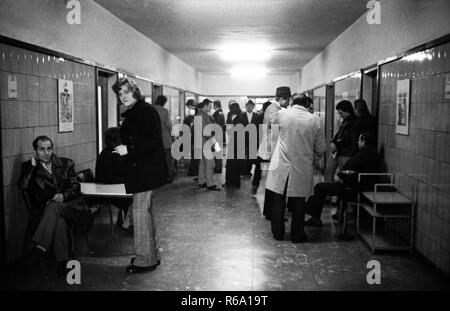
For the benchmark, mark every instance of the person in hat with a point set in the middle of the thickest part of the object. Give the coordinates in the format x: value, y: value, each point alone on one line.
x: 206, y: 166
x: 301, y: 144
x: 268, y: 141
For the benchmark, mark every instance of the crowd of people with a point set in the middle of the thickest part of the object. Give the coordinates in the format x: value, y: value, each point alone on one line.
x: 290, y: 144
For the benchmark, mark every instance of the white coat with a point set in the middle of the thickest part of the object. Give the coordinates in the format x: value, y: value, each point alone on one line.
x: 301, y: 142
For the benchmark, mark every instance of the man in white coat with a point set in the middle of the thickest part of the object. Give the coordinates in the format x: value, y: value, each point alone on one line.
x: 301, y: 143
x: 270, y: 138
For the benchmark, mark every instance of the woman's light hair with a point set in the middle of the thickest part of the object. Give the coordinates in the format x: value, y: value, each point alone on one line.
x: 131, y: 85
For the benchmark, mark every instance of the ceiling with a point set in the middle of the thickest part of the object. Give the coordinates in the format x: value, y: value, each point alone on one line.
x: 194, y: 30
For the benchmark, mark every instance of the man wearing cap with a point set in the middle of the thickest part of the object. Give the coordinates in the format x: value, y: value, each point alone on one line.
x: 206, y: 166
x: 300, y: 144
x: 283, y: 97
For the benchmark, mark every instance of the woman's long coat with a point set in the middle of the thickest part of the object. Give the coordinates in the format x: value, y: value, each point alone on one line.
x: 300, y: 143
x: 145, y: 163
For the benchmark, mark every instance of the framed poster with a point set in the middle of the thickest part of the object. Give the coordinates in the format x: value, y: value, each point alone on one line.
x: 65, y: 105
x: 402, y: 103
x: 12, y: 87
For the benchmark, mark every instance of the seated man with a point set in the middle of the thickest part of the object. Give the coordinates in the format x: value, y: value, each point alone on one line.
x: 110, y: 169
x: 54, y: 192
x: 364, y: 161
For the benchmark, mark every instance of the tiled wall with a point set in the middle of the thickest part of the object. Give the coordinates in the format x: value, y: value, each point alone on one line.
x: 34, y: 113
x: 422, y: 157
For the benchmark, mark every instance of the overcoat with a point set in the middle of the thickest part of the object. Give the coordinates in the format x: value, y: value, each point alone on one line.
x: 145, y: 163
x: 300, y: 143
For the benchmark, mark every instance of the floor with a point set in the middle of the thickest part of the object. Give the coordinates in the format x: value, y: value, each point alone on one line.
x: 220, y: 241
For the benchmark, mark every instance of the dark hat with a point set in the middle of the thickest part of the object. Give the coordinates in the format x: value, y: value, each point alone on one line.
x: 250, y: 102
x: 283, y: 91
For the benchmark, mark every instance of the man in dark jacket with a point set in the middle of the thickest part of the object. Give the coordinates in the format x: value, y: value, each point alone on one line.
x: 145, y: 169
x: 51, y: 184
x: 250, y: 117
x: 364, y: 161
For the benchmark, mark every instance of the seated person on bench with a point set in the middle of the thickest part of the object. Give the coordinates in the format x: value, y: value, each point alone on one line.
x: 109, y: 169
x: 54, y: 193
x: 364, y: 161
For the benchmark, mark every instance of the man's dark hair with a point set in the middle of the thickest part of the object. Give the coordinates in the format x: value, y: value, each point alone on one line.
x: 217, y: 104
x: 265, y: 105
x: 250, y: 102
x: 345, y: 106
x: 205, y: 102
x: 361, y: 106
x: 161, y: 100
x: 41, y: 138
x: 112, y: 137
x: 304, y: 101
x: 368, y: 138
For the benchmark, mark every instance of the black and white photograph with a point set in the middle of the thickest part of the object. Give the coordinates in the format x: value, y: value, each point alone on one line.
x: 225, y: 153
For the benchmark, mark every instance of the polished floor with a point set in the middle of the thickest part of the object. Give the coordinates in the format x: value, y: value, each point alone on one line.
x: 220, y: 241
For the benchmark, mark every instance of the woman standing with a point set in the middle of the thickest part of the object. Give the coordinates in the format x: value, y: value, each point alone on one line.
x: 145, y: 169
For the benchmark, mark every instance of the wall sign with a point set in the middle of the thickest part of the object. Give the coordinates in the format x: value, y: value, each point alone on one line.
x: 447, y: 86
x: 402, y: 102
x: 65, y: 105
x: 12, y: 87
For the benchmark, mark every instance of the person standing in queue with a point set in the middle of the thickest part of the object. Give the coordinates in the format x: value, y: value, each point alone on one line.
x: 283, y: 98
x: 145, y: 170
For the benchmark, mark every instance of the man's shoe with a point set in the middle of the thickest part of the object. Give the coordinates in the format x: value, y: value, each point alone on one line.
x: 313, y: 223
x: 335, y: 216
x: 302, y: 239
x: 202, y: 185
x: 132, y: 269
x: 213, y: 188
x: 254, y: 189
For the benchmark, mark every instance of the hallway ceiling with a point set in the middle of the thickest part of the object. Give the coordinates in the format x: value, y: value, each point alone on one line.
x: 194, y: 30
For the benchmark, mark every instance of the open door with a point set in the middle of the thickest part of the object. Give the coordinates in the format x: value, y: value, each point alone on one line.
x: 157, y: 90
x: 107, y: 111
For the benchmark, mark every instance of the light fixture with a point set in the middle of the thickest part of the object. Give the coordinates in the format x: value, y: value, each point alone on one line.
x: 419, y: 56
x: 251, y: 52
x: 249, y: 72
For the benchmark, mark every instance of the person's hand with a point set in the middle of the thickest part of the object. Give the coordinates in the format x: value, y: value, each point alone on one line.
x: 58, y: 197
x: 121, y: 150
x: 34, y: 162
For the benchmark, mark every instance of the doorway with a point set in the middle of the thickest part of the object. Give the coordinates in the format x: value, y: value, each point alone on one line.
x: 157, y: 90
x: 107, y: 106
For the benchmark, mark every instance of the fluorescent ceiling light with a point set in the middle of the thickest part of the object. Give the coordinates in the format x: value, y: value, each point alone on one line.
x: 245, y: 52
x: 249, y: 72
x: 419, y: 56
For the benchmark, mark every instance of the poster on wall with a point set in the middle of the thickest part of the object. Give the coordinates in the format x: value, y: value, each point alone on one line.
x: 447, y: 86
x: 402, y: 102
x: 65, y: 105
x: 12, y: 87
